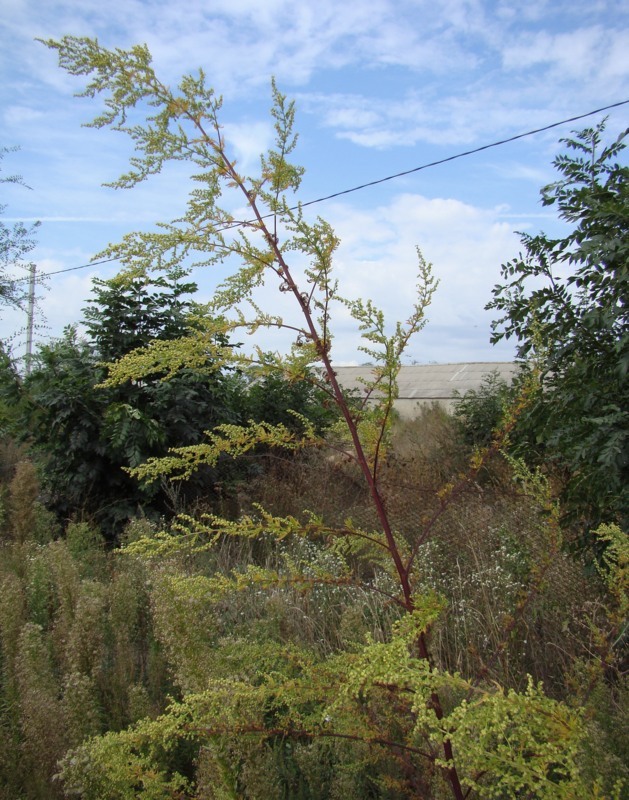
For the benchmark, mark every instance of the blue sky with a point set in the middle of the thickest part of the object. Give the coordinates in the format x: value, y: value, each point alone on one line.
x: 381, y: 86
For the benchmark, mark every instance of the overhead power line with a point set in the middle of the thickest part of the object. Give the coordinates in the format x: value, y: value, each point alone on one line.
x: 83, y: 266
x: 466, y: 153
x: 68, y: 269
x: 378, y: 181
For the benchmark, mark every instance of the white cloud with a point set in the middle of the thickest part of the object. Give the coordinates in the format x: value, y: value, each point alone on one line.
x: 21, y: 115
x: 372, y: 76
x: 584, y: 53
x: 481, y: 113
x: 409, y: 120
x: 513, y: 170
x: 256, y: 40
x: 377, y: 259
x: 249, y: 140
x: 465, y: 244
x: 484, y: 54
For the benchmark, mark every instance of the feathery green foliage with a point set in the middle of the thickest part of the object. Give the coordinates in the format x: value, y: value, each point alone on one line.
x: 565, y: 301
x: 253, y: 673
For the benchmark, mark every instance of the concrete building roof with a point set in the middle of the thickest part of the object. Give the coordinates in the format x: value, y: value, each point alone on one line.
x: 427, y: 383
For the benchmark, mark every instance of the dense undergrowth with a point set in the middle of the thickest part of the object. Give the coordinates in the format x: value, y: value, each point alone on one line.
x: 122, y: 646
x: 361, y: 609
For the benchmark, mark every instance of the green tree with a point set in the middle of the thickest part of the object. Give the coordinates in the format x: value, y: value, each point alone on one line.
x: 439, y: 733
x: 274, y: 398
x: 86, y: 435
x: 565, y: 301
x: 10, y: 382
x: 60, y: 414
x: 146, y: 417
x: 127, y: 313
x: 16, y: 242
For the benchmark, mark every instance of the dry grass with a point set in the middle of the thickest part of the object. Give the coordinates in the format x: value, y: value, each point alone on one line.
x: 516, y: 603
x: 506, y: 617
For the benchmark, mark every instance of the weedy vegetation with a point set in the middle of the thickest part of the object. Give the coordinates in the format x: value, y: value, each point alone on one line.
x: 381, y: 610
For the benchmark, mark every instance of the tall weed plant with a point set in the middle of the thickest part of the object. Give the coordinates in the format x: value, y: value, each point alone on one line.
x: 272, y: 695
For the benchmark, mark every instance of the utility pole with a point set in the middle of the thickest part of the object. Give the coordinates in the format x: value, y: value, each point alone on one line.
x: 30, y: 317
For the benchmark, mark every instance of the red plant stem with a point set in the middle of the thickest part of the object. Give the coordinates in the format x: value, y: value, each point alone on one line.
x: 322, y: 351
x: 309, y: 734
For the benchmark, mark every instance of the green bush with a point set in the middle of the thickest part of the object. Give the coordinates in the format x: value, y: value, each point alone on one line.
x: 479, y: 412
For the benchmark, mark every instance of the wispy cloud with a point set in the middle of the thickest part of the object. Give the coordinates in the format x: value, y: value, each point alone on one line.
x: 584, y: 53
x: 497, y: 69
x: 373, y: 81
x: 377, y: 259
